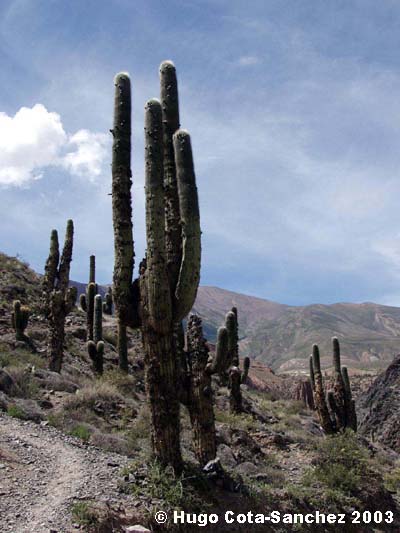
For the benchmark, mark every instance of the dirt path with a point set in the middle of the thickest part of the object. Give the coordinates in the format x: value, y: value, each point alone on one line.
x: 43, y: 471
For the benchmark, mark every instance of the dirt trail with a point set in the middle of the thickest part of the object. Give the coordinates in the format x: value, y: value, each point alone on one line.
x: 43, y: 471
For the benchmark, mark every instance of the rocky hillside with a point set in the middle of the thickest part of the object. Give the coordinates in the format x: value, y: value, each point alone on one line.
x: 75, y: 449
x: 379, y: 408
x: 281, y: 336
x: 276, y: 335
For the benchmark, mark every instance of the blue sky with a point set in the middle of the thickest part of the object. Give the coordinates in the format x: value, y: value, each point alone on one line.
x: 294, y: 112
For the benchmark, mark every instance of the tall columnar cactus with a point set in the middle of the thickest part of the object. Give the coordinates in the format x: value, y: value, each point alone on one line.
x: 169, y: 275
x: 319, y: 394
x: 19, y: 319
x: 96, y: 346
x: 199, y: 392
x: 108, y: 302
x: 122, y: 212
x: 58, y: 298
x: 336, y: 409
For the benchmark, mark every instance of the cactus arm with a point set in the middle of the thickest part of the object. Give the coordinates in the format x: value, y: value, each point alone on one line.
x: 170, y: 118
x: 312, y: 377
x: 83, y: 302
x: 70, y: 299
x: 121, y: 197
x: 319, y: 394
x: 189, y: 274
x: 351, y: 415
x: 231, y: 326
x: 235, y: 397
x: 51, y: 269
x: 90, y: 296
x: 217, y: 364
x: 158, y: 293
x: 66, y: 258
x: 339, y: 390
x: 92, y: 269
x: 246, y: 368
x: 98, y: 319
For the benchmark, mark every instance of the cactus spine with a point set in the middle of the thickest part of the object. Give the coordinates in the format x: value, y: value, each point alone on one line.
x: 96, y: 346
x: 336, y: 409
x: 58, y: 298
x: 108, y: 302
x: 19, y: 319
x: 169, y: 275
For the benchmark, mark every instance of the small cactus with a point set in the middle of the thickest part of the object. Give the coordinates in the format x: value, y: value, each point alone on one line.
x: 226, y: 360
x: 336, y: 409
x: 95, y: 346
x: 19, y: 319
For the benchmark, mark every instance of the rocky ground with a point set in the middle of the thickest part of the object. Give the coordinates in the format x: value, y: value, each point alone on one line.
x: 43, y: 472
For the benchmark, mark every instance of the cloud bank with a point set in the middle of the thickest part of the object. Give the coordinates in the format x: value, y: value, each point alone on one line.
x: 34, y: 138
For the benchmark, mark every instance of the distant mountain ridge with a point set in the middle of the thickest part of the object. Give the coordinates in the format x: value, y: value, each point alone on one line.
x: 281, y: 336
x: 276, y: 335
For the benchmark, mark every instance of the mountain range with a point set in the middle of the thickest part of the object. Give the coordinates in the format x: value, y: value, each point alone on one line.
x: 282, y: 336
x: 272, y: 334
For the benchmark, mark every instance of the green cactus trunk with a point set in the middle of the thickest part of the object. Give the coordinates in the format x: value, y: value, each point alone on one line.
x: 319, y: 395
x: 169, y: 275
x: 156, y: 304
x: 339, y: 392
x: 122, y: 211
x: 58, y: 298
x: 200, y: 397
x: 96, y: 346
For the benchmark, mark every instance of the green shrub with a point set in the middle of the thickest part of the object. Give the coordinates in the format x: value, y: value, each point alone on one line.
x: 341, y: 464
x: 392, y: 480
x: 186, y: 491
x: 84, y: 515
x: 81, y: 431
x: 15, y: 411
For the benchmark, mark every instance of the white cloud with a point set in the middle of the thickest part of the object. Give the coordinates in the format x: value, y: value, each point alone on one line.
x: 34, y: 138
x: 88, y: 156
x: 247, y: 61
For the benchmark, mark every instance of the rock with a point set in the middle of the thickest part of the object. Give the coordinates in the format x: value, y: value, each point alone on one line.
x: 226, y: 455
x: 213, y: 466
x: 379, y: 408
x: 6, y: 382
x: 247, y: 469
x: 54, y: 382
x: 3, y: 402
x: 137, y: 529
